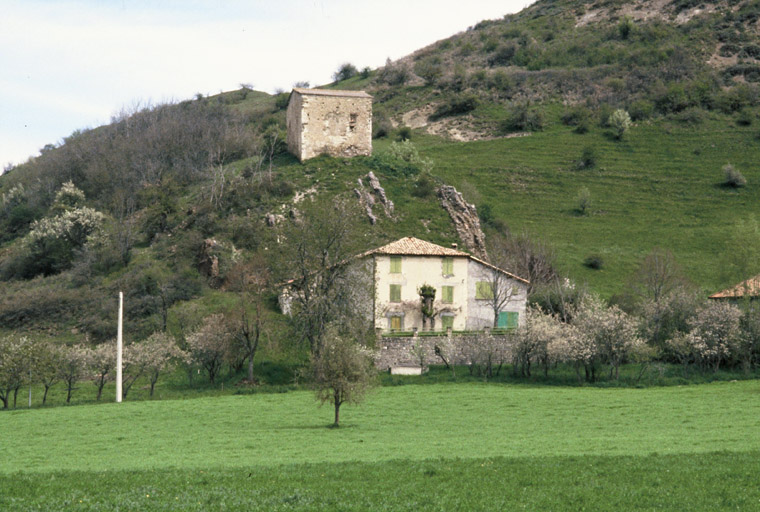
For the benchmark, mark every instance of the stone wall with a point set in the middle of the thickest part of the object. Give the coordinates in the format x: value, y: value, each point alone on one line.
x: 326, y: 122
x: 392, y: 351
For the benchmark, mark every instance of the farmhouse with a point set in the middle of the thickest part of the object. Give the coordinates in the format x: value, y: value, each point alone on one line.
x: 322, y: 121
x: 749, y: 289
x: 468, y: 293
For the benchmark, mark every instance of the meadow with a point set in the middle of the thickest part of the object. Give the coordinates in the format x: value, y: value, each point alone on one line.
x: 439, y: 446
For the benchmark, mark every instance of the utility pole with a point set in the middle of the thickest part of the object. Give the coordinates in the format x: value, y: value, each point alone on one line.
x: 119, y: 348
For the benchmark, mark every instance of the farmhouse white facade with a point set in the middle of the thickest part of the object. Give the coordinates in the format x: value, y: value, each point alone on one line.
x: 464, y: 288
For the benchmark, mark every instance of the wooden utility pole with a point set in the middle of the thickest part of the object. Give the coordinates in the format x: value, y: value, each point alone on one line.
x: 119, y: 348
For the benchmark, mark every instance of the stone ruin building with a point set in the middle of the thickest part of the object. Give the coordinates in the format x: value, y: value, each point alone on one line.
x: 322, y: 121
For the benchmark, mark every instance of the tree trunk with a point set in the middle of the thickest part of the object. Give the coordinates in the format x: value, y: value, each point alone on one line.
x: 250, y: 367
x: 69, y: 389
x: 44, y: 395
x: 15, y: 394
x: 4, y: 398
x: 152, y: 385
x: 337, y: 400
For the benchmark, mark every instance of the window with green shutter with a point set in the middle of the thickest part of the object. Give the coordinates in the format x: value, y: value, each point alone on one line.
x: 483, y: 290
x: 448, y: 266
x: 395, y: 264
x: 395, y: 323
x: 447, y: 294
x: 395, y: 293
x: 508, y: 320
x: 447, y: 322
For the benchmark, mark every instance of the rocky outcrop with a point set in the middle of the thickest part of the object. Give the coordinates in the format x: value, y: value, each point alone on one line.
x: 208, y: 261
x: 465, y: 219
x: 369, y: 197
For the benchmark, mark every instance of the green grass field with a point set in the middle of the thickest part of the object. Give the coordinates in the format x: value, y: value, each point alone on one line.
x: 440, y: 446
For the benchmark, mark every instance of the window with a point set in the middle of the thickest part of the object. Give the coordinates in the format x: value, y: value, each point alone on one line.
x: 448, y: 266
x: 483, y: 290
x: 447, y: 294
x: 447, y: 322
x: 352, y: 121
x: 395, y: 293
x: 395, y: 323
x: 508, y: 320
x: 395, y: 264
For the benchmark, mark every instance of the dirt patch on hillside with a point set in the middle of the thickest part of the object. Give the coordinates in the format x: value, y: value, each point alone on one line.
x: 460, y: 128
x: 645, y: 11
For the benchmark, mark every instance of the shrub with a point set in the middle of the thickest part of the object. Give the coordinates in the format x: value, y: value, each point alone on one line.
x: 523, y: 117
x: 381, y: 124
x: 729, y: 49
x: 620, y: 121
x: 424, y: 186
x: 593, y: 261
x: 588, y: 158
x: 583, y: 201
x: 574, y: 116
x: 281, y: 101
x: 344, y: 72
x: 456, y: 105
x: 394, y: 73
x: 745, y: 117
x: 691, y: 116
x: 732, y: 177
x: 403, y: 133
x: 503, y: 55
x: 640, y: 110
x: 429, y: 70
x: 401, y: 158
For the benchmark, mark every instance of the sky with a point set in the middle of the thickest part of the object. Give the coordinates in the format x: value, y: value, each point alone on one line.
x: 73, y: 64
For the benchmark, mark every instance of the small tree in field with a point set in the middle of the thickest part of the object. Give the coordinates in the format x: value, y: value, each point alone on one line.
x: 101, y: 363
x: 620, y: 121
x: 342, y: 371
x: 209, y: 344
x: 14, y: 366
x: 47, y: 362
x: 73, y: 366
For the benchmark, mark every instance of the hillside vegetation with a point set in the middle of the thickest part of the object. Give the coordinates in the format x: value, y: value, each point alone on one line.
x: 513, y: 112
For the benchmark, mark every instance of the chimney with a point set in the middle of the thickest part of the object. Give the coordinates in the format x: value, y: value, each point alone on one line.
x: 454, y: 246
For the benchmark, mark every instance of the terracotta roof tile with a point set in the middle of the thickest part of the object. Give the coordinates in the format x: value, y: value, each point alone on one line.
x: 410, y: 246
x: 748, y: 288
x: 331, y: 92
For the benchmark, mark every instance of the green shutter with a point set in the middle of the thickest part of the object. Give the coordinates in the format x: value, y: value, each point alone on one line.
x: 447, y: 294
x: 447, y: 321
x: 508, y: 320
x: 395, y: 293
x: 483, y: 290
x: 396, y: 323
x: 395, y: 264
x: 448, y: 266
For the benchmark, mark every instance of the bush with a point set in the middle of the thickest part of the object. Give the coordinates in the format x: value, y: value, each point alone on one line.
x: 575, y: 115
x: 745, y: 117
x: 456, y: 105
x: 593, y: 261
x: 523, y: 117
x: 403, y: 133
x: 732, y: 177
x: 620, y: 121
x: 729, y: 49
x: 281, y: 101
x: 583, y: 201
x: 424, y: 186
x: 640, y: 110
x: 429, y: 69
x: 402, y: 158
x: 344, y: 72
x: 503, y: 55
x: 394, y: 73
x: 588, y: 158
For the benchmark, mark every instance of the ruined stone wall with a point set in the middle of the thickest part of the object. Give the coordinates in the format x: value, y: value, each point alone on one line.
x: 336, y: 125
x: 293, y: 118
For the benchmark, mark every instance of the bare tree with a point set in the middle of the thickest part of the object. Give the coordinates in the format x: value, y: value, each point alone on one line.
x: 251, y: 281
x: 524, y: 256
x: 342, y: 371
x: 318, y: 249
x: 658, y: 276
x: 499, y: 290
x: 102, y: 362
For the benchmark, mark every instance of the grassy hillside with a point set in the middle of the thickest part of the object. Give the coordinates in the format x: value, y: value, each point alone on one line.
x: 406, y: 445
x: 504, y: 110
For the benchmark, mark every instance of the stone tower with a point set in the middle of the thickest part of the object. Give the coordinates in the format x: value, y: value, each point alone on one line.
x: 338, y: 123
